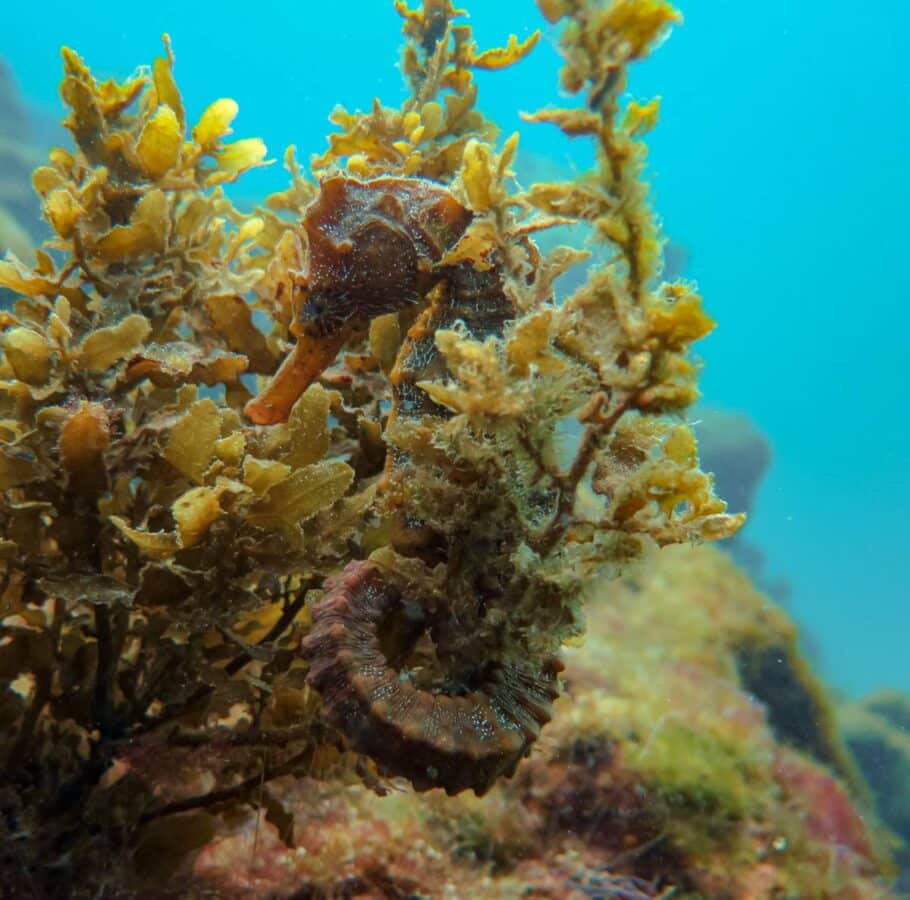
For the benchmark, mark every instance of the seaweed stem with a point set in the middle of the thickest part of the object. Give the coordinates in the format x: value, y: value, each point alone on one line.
x: 276, y: 737
x: 288, y: 614
x: 103, y: 698
x: 233, y: 792
x: 596, y: 428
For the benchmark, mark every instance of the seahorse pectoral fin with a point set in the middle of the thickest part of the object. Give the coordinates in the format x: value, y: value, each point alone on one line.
x: 303, y: 365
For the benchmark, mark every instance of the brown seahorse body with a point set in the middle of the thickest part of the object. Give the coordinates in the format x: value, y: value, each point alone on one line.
x: 374, y: 247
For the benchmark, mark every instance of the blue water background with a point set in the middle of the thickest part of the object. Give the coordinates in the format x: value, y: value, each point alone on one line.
x: 781, y: 163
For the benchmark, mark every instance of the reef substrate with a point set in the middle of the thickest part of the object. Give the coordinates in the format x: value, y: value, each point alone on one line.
x: 660, y: 776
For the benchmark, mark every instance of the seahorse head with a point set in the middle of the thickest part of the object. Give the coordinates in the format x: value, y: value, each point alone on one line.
x: 372, y: 247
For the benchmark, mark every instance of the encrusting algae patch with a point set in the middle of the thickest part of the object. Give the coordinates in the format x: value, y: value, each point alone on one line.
x: 287, y: 494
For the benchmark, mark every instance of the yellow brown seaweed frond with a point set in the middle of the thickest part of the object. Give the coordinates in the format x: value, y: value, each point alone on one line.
x: 428, y: 135
x: 146, y: 530
x: 613, y: 357
x: 447, y: 423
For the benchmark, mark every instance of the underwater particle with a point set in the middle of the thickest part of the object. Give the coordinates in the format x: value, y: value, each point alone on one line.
x: 449, y: 740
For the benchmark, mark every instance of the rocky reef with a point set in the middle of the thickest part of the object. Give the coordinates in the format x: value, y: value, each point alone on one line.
x: 661, y: 775
x: 301, y: 508
x: 877, y: 731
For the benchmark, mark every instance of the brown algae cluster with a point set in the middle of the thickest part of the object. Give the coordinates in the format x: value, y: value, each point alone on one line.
x: 184, y: 563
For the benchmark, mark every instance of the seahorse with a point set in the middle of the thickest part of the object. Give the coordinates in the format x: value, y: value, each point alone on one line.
x: 373, y: 246
x: 377, y: 246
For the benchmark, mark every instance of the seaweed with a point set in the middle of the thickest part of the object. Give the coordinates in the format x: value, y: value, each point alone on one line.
x: 174, y: 638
